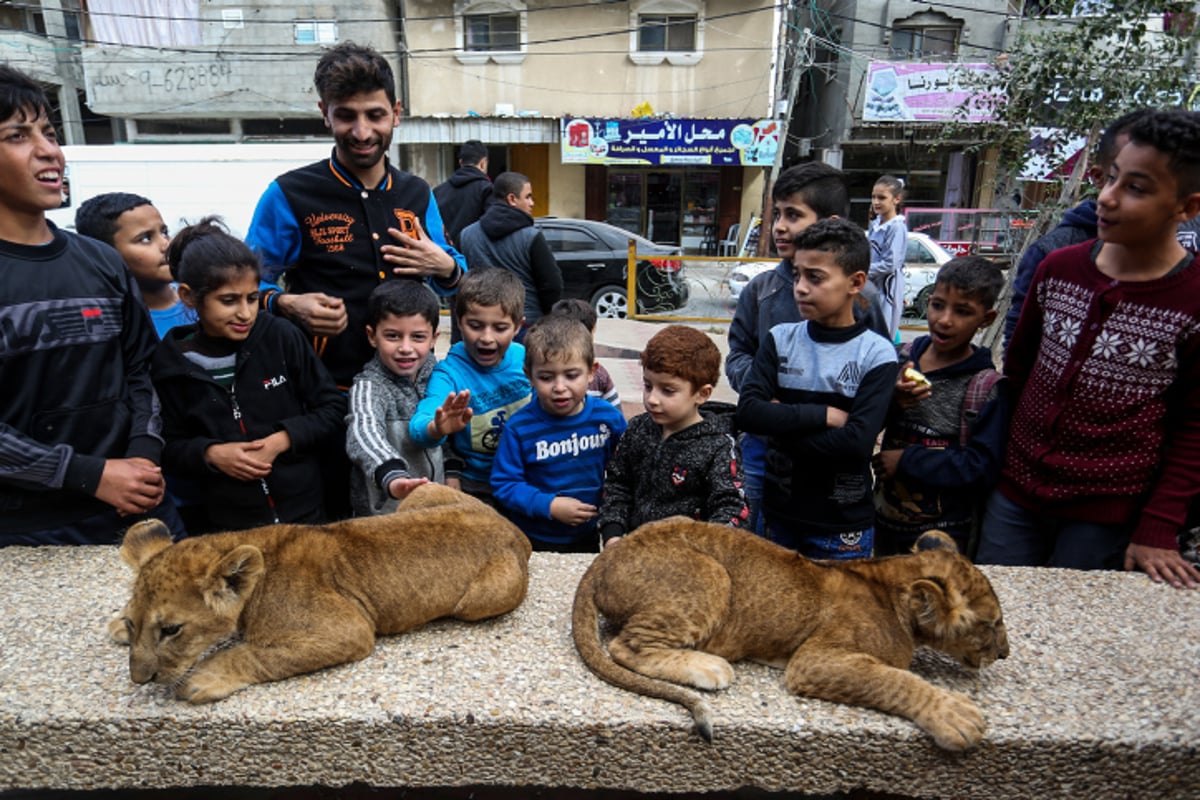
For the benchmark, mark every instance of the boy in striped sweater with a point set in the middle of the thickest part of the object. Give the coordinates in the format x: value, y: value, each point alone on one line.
x: 549, y: 468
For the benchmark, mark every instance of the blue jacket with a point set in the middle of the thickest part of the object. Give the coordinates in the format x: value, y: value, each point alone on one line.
x: 543, y: 456
x: 496, y: 394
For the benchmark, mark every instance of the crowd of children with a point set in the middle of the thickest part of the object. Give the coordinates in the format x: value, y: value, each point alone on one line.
x: 1084, y: 453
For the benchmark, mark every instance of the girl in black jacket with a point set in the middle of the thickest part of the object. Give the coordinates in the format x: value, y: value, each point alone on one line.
x: 246, y: 403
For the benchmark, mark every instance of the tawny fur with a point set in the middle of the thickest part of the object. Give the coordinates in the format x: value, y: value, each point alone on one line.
x: 213, y: 614
x: 688, y: 598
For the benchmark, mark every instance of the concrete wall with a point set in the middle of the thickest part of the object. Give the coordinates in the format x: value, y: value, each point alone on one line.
x: 592, y: 76
x: 1098, y: 700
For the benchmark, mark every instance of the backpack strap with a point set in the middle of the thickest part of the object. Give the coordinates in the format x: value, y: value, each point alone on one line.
x: 975, y: 398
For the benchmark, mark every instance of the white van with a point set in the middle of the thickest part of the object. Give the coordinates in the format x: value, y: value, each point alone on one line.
x: 184, y: 181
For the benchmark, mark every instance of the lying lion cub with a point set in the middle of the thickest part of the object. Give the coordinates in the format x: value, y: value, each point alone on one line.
x: 213, y: 614
x: 690, y: 597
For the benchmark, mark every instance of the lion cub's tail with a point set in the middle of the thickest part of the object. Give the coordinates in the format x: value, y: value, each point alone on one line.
x: 585, y: 628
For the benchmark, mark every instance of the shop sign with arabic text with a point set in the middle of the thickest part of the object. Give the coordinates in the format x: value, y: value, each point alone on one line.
x: 714, y: 142
x: 913, y: 92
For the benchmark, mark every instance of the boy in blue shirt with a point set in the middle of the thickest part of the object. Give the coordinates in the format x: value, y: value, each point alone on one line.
x: 549, y: 470
x: 131, y: 225
x: 820, y: 388
x: 480, y: 384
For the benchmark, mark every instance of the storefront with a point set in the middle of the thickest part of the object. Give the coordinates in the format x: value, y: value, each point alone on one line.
x: 674, y: 181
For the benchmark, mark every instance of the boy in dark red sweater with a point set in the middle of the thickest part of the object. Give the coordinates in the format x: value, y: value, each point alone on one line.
x: 1103, y: 456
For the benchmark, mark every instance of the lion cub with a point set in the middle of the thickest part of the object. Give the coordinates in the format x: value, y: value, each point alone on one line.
x: 690, y: 597
x: 213, y: 614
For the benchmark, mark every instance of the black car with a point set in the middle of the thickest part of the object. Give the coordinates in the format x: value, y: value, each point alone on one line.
x: 593, y: 257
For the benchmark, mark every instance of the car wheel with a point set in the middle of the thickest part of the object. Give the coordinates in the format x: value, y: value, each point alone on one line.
x: 610, y: 302
x: 920, y: 305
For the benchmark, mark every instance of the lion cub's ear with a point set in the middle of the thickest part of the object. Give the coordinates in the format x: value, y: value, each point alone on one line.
x: 927, y: 602
x: 934, y: 540
x: 232, y: 578
x: 143, y: 541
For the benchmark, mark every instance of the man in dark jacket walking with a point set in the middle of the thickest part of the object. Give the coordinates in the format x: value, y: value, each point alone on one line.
x: 506, y: 237
x: 464, y: 196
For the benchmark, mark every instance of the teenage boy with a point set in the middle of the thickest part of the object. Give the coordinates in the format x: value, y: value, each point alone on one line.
x: 820, y: 388
x: 944, y: 440
x: 79, y: 424
x: 803, y: 194
x: 1104, y: 448
x: 549, y: 469
x: 339, y: 227
x: 480, y: 384
x: 505, y: 236
x: 134, y: 228
x: 402, y: 321
x: 680, y: 456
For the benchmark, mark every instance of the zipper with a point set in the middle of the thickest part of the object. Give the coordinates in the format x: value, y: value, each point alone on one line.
x: 237, y: 415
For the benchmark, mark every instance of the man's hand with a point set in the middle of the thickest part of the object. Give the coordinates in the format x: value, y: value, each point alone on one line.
x: 453, y: 416
x: 908, y: 393
x: 417, y: 257
x: 131, y: 485
x: 320, y: 314
x: 1162, y: 564
x: 243, y: 461
x: 570, y: 511
x: 400, y: 488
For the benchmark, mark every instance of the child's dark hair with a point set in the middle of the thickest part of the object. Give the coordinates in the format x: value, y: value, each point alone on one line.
x: 892, y: 184
x: 348, y: 69
x: 975, y: 276
x: 491, y: 286
x: 576, y: 309
x: 206, y: 255
x: 21, y: 95
x: 1175, y: 134
x: 685, y: 353
x: 97, y: 217
x: 472, y: 152
x: 507, y: 183
x: 557, y: 337
x: 820, y: 186
x: 402, y: 298
x: 841, y: 237
x: 1106, y: 148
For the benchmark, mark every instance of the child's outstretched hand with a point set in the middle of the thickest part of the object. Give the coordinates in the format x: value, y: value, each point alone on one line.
x: 909, y: 390
x: 453, y: 416
x: 570, y: 511
x: 241, y: 460
x: 401, y: 487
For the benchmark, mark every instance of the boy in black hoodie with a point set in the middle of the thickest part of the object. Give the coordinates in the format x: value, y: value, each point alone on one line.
x: 680, y: 457
x: 944, y: 441
x: 464, y: 196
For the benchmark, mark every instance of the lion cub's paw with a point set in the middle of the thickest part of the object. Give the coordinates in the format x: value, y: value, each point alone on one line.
x: 117, y: 630
x: 207, y: 686
x: 954, y: 722
x: 706, y: 671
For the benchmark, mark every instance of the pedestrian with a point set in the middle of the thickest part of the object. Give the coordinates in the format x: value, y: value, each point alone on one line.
x: 889, y: 244
x: 463, y: 197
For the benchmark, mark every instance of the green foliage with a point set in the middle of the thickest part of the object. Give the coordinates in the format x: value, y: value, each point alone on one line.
x: 1074, y: 74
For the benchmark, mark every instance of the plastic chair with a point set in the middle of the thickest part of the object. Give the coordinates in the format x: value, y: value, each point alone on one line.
x: 729, y: 245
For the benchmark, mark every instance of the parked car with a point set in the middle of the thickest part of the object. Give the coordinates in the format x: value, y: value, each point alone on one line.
x: 921, y: 263
x: 593, y: 257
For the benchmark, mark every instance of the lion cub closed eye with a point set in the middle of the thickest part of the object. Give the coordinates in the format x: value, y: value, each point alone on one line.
x: 688, y: 598
x: 213, y: 614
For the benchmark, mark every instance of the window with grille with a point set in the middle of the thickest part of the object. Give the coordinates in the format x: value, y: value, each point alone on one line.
x: 490, y: 32
x: 666, y: 33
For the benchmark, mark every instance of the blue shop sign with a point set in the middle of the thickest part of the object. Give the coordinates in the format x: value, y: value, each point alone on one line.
x: 667, y: 142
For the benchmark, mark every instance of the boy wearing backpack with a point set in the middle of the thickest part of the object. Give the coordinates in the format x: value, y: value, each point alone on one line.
x: 943, y: 444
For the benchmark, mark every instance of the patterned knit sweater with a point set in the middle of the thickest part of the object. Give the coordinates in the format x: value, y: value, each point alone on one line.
x: 1107, y: 376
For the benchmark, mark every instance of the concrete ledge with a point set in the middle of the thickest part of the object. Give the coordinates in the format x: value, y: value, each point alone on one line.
x: 1099, y: 699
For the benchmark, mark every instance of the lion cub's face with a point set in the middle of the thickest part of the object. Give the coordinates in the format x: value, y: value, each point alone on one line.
x: 956, y: 611
x: 186, y: 601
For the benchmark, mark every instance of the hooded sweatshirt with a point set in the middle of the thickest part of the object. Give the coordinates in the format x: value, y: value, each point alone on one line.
x: 505, y: 236
x: 462, y: 199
